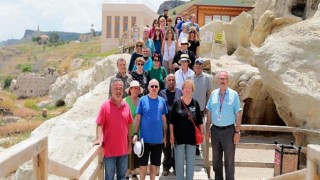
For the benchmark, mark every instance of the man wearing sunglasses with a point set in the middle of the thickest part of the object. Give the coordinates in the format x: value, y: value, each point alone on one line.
x: 151, y: 123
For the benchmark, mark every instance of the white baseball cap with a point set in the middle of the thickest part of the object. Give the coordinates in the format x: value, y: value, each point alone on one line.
x: 139, y: 148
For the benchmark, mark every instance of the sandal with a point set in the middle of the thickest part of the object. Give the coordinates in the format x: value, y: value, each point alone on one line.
x: 134, y: 177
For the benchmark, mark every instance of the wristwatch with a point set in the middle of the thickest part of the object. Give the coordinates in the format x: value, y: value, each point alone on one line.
x: 135, y: 134
x: 238, y: 132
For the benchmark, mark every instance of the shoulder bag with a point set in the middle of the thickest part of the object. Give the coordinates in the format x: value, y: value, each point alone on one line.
x: 199, y: 137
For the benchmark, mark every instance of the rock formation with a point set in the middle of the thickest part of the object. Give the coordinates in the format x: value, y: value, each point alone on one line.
x: 71, y: 86
x: 289, y: 64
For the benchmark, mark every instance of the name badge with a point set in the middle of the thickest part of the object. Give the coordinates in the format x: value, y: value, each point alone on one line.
x: 219, y: 117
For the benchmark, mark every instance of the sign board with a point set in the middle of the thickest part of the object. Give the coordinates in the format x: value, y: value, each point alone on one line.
x: 218, y: 38
x: 208, y: 37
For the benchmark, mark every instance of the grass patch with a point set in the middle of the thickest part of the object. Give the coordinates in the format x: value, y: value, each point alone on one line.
x: 12, y: 140
x: 32, y: 103
x: 17, y: 128
x: 88, y: 56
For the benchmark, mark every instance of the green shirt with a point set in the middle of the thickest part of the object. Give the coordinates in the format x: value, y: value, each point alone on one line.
x: 159, y: 74
x: 133, y: 111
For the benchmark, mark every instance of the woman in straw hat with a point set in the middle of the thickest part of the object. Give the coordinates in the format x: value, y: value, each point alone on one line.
x: 134, y: 91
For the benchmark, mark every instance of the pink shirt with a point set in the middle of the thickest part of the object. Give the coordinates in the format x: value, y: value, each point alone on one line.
x: 115, y: 122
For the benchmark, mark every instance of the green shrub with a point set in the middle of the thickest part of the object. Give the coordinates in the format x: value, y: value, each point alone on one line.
x: 26, y: 67
x: 7, y: 82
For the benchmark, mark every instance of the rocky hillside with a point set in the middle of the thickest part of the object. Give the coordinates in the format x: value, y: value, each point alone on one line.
x: 169, y: 5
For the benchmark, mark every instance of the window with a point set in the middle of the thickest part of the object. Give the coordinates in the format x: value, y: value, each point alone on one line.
x: 133, y: 21
x: 116, y: 26
x: 125, y: 23
x: 207, y: 19
x: 109, y: 26
x: 225, y: 18
x: 217, y: 17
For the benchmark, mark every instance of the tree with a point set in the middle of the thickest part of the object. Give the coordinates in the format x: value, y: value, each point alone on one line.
x: 54, y: 38
x: 36, y: 39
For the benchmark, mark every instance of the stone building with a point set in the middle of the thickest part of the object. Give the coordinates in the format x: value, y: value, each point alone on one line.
x: 33, y: 85
x: 121, y: 16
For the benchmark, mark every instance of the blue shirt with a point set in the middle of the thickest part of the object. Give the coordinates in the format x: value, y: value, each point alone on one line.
x: 151, y: 111
x: 147, y: 65
x: 149, y: 43
x: 230, y: 106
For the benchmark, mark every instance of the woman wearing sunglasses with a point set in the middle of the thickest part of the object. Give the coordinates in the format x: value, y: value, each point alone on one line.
x: 140, y: 75
x: 157, y: 71
x: 194, y: 42
x: 137, y: 53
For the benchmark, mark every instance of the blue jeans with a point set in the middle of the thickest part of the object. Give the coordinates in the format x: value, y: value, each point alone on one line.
x: 188, y: 152
x: 117, y: 163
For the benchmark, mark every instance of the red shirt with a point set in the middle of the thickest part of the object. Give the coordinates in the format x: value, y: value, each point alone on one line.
x: 115, y: 122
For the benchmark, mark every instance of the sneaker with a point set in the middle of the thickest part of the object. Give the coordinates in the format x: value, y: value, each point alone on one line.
x: 165, y: 173
x: 197, y: 151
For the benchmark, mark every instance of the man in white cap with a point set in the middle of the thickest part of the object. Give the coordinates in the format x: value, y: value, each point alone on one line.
x: 114, y: 117
x: 184, y: 71
x: 184, y: 50
x: 148, y: 42
x: 204, y: 87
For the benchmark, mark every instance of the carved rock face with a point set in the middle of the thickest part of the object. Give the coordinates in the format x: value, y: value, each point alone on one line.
x: 289, y: 64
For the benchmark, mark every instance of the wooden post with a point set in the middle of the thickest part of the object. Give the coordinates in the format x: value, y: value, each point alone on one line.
x: 313, y: 163
x: 40, y: 165
x: 100, y: 162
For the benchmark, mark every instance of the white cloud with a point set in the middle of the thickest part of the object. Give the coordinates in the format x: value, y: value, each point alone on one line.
x: 51, y: 15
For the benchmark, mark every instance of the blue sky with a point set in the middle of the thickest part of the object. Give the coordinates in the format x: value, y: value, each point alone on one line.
x: 51, y: 15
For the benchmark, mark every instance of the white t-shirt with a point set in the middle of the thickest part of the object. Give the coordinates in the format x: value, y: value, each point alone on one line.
x: 170, y: 51
x: 181, y: 77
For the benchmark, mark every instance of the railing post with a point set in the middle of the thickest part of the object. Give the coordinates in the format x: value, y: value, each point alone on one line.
x: 101, y: 165
x: 313, y: 171
x: 40, y: 165
x: 206, y: 153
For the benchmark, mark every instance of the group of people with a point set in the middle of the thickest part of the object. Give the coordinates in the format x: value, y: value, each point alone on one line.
x: 160, y: 100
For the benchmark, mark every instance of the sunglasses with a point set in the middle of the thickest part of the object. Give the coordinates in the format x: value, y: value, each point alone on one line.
x: 184, y: 43
x: 140, y: 64
x: 154, y: 86
x: 157, y: 60
x: 139, y: 45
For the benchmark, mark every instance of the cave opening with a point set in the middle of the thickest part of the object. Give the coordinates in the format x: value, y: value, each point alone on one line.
x: 299, y: 8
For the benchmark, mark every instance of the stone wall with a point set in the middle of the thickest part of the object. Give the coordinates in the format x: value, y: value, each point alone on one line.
x: 33, y: 85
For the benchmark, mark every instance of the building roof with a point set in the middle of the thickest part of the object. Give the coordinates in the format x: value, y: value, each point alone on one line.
x: 237, y: 3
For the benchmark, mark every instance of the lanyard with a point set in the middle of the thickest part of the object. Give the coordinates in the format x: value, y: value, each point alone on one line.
x: 182, y: 74
x: 221, y: 97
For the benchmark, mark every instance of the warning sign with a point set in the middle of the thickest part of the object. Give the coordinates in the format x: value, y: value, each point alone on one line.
x: 218, y: 38
x: 277, y: 158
